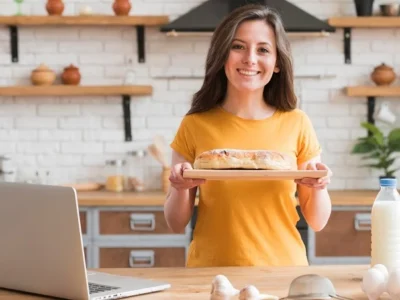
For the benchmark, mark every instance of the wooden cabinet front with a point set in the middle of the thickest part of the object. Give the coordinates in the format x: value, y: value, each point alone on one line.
x: 82, y: 218
x: 347, y: 233
x: 123, y: 257
x: 133, y: 222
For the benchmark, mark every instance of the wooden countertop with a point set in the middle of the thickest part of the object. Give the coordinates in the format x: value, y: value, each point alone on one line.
x: 157, y: 198
x: 195, y: 283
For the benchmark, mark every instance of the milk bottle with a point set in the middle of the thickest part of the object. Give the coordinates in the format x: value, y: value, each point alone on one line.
x: 385, y: 226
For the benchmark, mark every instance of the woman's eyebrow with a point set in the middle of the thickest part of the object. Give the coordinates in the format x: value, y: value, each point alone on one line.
x: 260, y: 43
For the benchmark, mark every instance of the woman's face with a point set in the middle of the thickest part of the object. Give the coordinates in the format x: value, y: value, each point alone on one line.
x: 252, y: 57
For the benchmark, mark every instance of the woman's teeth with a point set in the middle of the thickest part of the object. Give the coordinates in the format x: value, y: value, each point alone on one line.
x: 248, y: 73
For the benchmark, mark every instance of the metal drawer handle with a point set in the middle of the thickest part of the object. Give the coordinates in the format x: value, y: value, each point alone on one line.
x: 362, y: 221
x: 141, y: 258
x: 143, y: 222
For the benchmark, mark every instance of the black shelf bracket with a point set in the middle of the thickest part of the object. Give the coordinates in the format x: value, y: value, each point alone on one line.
x: 371, y: 109
x: 14, y: 43
x: 126, y: 107
x: 347, y: 45
x: 140, y: 43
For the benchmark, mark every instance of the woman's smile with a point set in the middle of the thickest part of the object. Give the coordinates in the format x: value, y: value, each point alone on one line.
x: 248, y: 73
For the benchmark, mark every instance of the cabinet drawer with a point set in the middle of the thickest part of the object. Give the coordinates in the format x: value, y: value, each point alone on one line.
x: 82, y: 217
x: 141, y: 257
x: 348, y: 233
x: 133, y: 222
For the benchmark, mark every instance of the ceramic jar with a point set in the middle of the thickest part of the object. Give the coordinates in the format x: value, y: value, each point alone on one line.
x: 55, y: 7
x: 121, y: 7
x: 383, y: 75
x: 71, y: 75
x: 42, y: 75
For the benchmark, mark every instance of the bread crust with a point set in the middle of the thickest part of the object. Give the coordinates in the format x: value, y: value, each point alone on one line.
x: 242, y: 159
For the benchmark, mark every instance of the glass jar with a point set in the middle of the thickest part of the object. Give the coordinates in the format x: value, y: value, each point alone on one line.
x: 115, y: 175
x: 137, y: 172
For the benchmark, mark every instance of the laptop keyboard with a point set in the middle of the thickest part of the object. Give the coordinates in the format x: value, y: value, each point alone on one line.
x: 99, y: 288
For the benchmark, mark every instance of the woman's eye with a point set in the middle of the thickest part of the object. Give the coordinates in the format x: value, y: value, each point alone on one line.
x: 237, y: 47
x: 263, y: 50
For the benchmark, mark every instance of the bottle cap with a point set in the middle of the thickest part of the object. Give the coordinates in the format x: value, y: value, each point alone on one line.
x: 392, y: 182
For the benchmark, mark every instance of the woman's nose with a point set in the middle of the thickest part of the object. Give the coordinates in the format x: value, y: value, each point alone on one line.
x: 250, y: 57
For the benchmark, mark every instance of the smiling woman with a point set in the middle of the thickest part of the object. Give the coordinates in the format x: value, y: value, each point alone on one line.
x: 247, y: 102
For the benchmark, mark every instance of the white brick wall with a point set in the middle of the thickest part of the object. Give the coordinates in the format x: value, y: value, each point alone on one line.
x: 73, y: 136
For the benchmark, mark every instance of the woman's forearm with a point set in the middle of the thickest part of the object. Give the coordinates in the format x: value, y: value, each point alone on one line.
x: 317, y: 207
x: 178, y: 208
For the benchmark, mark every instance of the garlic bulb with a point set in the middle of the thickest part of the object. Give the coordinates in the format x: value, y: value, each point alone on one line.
x: 393, y: 284
x: 373, y: 283
x: 250, y: 292
x: 222, y: 289
x: 384, y: 271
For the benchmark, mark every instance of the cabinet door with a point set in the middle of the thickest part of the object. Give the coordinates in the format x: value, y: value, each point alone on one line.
x: 347, y: 233
x: 123, y: 257
x: 82, y: 218
x: 133, y: 222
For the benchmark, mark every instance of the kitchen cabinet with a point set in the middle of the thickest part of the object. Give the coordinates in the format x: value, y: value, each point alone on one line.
x: 346, y: 239
x: 131, y: 236
x: 129, y: 230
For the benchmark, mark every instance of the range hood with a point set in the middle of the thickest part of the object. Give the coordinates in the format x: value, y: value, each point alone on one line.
x: 205, y: 17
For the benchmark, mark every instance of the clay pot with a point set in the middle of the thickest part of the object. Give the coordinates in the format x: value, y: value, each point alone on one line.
x: 55, y: 7
x: 42, y: 75
x: 71, y: 75
x: 383, y: 75
x: 122, y: 7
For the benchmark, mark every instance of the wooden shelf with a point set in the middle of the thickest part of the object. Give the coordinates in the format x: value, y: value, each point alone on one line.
x: 77, y: 90
x: 373, y: 91
x: 94, y: 20
x: 347, y: 23
x: 364, y: 22
x: 71, y: 90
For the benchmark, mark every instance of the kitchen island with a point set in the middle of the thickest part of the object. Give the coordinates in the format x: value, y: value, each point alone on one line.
x: 195, y: 283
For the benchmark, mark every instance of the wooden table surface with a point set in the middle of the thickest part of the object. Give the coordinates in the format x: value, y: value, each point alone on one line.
x: 195, y: 283
x: 157, y: 198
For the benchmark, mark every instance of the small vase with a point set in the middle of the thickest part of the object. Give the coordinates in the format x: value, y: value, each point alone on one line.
x: 55, y: 7
x: 383, y: 75
x: 71, y: 75
x: 121, y: 7
x: 42, y: 75
x: 364, y: 7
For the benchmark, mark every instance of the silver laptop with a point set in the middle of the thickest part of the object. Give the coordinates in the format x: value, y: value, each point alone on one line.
x: 41, y: 249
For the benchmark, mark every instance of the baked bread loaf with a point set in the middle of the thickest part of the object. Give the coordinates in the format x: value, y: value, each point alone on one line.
x: 242, y: 159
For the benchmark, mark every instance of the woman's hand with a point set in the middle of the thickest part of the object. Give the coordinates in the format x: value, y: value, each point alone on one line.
x: 180, y: 183
x: 316, y: 183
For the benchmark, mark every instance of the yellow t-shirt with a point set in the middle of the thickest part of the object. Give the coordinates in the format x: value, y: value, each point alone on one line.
x: 247, y: 223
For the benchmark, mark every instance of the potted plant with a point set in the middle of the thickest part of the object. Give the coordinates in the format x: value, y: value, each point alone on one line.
x: 379, y: 148
x: 364, y: 7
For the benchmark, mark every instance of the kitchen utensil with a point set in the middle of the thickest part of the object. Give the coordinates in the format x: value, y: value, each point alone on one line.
x: 71, y: 75
x: 121, y: 7
x: 312, y: 286
x: 42, y: 75
x: 85, y: 187
x: 390, y: 9
x: 158, y: 155
x: 55, y: 7
x: 383, y: 75
x: 253, y: 174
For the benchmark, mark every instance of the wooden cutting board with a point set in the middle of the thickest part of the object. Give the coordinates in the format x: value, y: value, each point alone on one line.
x: 253, y: 174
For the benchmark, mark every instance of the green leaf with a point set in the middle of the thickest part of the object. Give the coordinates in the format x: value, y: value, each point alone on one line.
x: 376, y: 133
x: 375, y: 155
x: 363, y: 147
x: 394, y: 140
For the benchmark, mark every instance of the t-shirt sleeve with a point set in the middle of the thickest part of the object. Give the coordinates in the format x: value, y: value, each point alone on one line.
x: 183, y: 142
x: 308, y: 144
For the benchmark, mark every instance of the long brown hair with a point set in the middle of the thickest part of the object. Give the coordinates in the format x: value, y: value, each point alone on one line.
x: 279, y: 92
